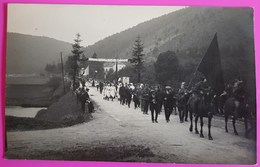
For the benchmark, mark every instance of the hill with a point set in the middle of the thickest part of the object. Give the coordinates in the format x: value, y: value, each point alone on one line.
x: 188, y: 32
x: 27, y: 54
x: 185, y: 28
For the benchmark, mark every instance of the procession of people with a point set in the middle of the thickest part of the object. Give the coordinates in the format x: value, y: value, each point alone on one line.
x: 156, y: 98
x: 196, y: 100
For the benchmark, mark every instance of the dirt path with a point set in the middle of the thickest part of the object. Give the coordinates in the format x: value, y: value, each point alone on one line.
x: 119, y: 133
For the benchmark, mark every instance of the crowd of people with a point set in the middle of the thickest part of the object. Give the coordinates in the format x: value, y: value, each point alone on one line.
x: 148, y: 97
x: 157, y: 98
x: 82, y: 96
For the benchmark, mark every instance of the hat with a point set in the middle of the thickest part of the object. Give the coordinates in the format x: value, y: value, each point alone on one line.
x: 168, y: 87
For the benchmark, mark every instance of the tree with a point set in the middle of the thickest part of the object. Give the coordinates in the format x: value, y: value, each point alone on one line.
x: 96, y: 69
x: 52, y: 68
x: 128, y: 71
x: 137, y: 59
x: 168, y: 68
x: 111, y: 75
x: 48, y: 68
x: 76, y: 55
x: 148, y: 74
x: 94, y: 55
x: 68, y: 66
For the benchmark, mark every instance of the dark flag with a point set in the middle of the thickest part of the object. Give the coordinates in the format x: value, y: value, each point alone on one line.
x: 210, y: 67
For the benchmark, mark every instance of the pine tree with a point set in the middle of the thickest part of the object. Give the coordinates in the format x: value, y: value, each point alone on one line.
x: 76, y: 55
x: 137, y: 59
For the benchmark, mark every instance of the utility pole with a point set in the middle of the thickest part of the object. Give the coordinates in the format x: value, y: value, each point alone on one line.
x: 116, y: 72
x: 62, y: 69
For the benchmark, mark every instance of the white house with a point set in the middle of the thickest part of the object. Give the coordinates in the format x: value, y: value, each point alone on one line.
x: 108, y: 66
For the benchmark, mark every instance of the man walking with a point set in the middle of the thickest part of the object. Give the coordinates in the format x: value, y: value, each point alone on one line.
x: 168, y: 102
x: 101, y: 85
x: 128, y: 96
x: 182, y: 103
x: 145, y: 98
x: 122, y: 94
x: 154, y: 105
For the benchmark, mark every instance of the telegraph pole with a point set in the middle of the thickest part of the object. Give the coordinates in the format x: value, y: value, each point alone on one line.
x: 63, y: 81
x: 116, y: 72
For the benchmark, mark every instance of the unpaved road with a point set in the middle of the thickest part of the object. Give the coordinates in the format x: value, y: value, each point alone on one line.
x: 119, y: 133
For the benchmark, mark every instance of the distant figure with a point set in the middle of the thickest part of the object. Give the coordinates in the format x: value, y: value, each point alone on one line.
x: 97, y: 86
x: 77, y: 92
x: 136, y: 98
x: 128, y: 96
x: 90, y: 104
x: 145, y: 100
x: 83, y: 83
x: 153, y: 99
x: 160, y: 99
x: 83, y: 99
x: 182, y: 100
x: 122, y: 94
x: 168, y: 102
x: 112, y: 92
x: 101, y: 85
x: 107, y: 92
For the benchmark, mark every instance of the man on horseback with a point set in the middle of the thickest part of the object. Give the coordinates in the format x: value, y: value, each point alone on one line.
x: 201, y: 87
x: 199, y: 104
x: 238, y: 90
x: 239, y: 95
x: 236, y: 106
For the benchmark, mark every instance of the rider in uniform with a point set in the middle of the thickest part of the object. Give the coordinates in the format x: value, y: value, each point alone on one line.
x: 203, y: 91
x: 239, y: 95
x: 201, y: 87
x: 238, y: 91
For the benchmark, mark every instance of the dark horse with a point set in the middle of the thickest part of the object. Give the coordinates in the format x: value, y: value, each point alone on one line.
x: 200, y: 105
x: 237, y: 109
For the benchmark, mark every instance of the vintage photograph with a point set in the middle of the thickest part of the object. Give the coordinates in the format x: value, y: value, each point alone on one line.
x: 153, y: 84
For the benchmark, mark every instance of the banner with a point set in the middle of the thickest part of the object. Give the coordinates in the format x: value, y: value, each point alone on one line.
x: 107, y: 60
x: 86, y: 72
x: 210, y: 67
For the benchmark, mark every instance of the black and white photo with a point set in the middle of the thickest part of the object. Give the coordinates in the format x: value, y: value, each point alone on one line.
x: 154, y: 84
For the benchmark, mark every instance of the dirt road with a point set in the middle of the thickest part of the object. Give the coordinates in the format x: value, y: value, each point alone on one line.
x: 119, y: 133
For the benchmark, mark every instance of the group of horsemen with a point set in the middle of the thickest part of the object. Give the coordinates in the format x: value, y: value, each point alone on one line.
x: 157, y: 97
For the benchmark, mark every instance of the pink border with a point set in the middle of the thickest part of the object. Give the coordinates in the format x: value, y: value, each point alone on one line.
x: 3, y: 12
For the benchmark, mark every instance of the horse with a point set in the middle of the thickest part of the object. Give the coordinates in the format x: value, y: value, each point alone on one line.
x: 238, y: 109
x: 200, y: 105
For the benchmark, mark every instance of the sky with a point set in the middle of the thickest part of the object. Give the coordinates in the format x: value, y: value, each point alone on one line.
x: 93, y: 23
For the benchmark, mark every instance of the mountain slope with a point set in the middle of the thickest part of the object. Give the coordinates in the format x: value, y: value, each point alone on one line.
x: 192, y: 27
x: 27, y: 54
x: 189, y: 32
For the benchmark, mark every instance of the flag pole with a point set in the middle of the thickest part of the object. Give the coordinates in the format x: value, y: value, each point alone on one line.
x: 199, y: 65
x: 194, y: 74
